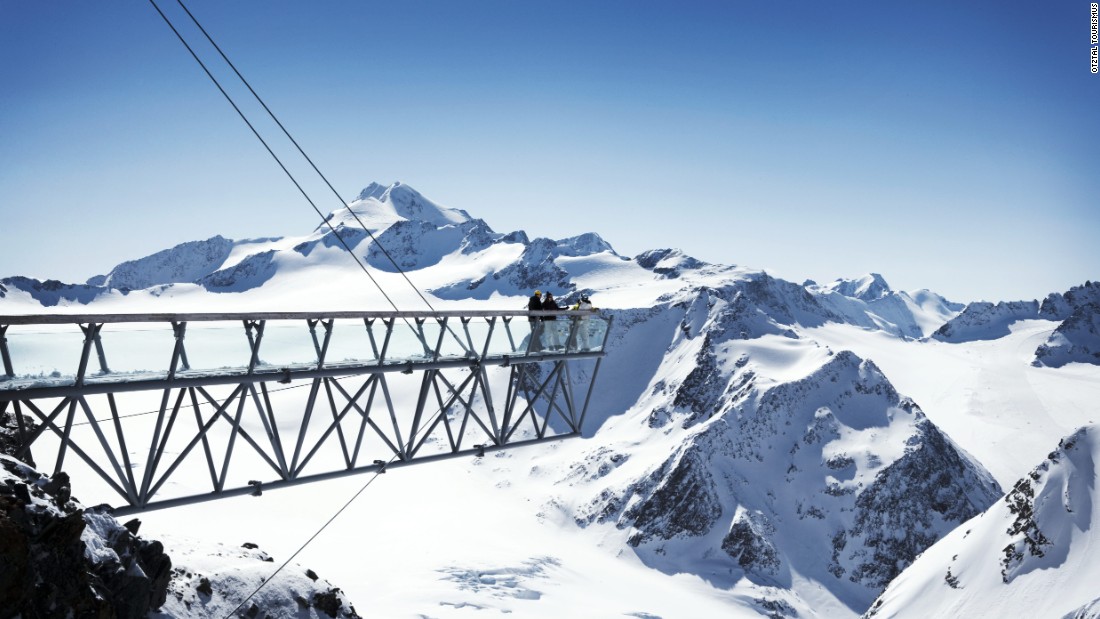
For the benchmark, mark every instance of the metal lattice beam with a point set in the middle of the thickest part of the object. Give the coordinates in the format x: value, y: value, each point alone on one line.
x: 359, y: 414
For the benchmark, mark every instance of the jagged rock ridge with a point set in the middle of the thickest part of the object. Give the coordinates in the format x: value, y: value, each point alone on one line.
x: 792, y: 478
x: 1031, y: 545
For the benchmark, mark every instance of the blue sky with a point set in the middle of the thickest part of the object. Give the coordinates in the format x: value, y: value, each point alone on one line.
x: 944, y: 146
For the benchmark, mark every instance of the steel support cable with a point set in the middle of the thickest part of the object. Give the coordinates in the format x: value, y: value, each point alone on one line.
x: 271, y: 152
x: 305, y: 156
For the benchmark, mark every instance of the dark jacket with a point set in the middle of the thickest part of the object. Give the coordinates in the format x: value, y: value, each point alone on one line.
x: 534, y: 304
x: 550, y: 304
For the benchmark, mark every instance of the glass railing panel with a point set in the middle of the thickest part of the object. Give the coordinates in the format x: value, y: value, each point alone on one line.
x: 512, y: 337
x: 289, y: 344
x: 44, y: 352
x: 351, y: 342
x: 215, y: 346
x: 588, y: 333
x: 131, y: 348
x: 554, y: 335
x: 411, y: 341
x: 457, y: 339
x: 478, y: 331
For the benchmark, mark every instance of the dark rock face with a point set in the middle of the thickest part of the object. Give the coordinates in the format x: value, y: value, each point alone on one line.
x: 328, y: 601
x: 1029, y: 542
x: 9, y: 433
x: 52, y: 292
x: 748, y: 542
x: 1077, y: 339
x: 46, y: 567
x: 681, y: 501
x: 535, y: 270
x: 790, y: 478
x: 1060, y: 306
x: 986, y: 321
x: 668, y: 263
x: 183, y: 263
x: 927, y: 487
x: 252, y: 272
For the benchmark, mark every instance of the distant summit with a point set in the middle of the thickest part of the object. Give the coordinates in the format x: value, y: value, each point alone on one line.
x: 870, y: 287
x: 869, y: 302
x: 399, y: 201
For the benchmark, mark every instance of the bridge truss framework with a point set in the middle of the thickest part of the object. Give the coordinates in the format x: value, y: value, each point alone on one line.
x: 351, y: 421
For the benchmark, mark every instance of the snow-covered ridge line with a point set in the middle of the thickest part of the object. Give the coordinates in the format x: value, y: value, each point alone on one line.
x: 455, y: 257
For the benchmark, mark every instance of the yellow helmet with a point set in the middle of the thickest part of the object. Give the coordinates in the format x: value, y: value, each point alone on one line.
x: 538, y: 292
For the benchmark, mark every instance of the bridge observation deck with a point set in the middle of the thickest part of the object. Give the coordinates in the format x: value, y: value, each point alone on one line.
x: 208, y: 383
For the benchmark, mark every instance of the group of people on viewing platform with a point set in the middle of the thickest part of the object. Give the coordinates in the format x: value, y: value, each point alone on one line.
x: 550, y: 336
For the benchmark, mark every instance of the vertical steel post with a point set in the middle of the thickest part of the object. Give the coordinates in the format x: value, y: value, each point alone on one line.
x: 9, y: 371
x: 508, y: 329
x: 591, y: 385
x: 259, y: 326
x: 369, y: 324
x: 386, y: 340
x: 439, y: 342
x: 103, y: 369
x: 90, y: 333
x: 469, y: 339
x: 178, y: 331
x: 488, y: 337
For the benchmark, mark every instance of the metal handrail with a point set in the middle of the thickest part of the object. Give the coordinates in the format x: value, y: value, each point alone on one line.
x: 57, y: 319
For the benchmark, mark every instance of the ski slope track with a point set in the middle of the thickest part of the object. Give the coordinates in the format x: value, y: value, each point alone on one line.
x: 754, y: 446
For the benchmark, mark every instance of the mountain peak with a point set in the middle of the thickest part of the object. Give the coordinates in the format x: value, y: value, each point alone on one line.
x: 870, y: 287
x: 400, y: 201
x: 374, y: 190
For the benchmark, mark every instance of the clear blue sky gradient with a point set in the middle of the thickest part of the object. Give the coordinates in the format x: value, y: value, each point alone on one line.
x: 951, y: 146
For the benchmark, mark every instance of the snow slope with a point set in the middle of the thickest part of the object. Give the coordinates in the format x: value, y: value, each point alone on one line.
x: 744, y: 450
x: 1029, y: 555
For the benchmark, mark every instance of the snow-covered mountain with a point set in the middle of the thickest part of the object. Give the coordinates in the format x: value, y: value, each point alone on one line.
x: 1077, y: 338
x: 870, y: 302
x: 754, y: 447
x: 1030, y: 550
x: 832, y: 478
x: 453, y: 256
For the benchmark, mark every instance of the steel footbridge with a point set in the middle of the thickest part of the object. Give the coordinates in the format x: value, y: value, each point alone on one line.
x: 173, y: 409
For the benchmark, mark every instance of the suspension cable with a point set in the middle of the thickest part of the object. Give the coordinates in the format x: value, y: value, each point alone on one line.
x: 305, y: 156
x: 442, y: 409
x: 272, y: 153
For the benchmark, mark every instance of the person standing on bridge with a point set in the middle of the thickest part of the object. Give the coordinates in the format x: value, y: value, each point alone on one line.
x: 581, y: 339
x: 553, y: 337
x: 534, y: 304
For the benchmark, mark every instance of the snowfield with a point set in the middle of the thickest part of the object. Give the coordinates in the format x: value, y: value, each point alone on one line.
x: 754, y: 447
